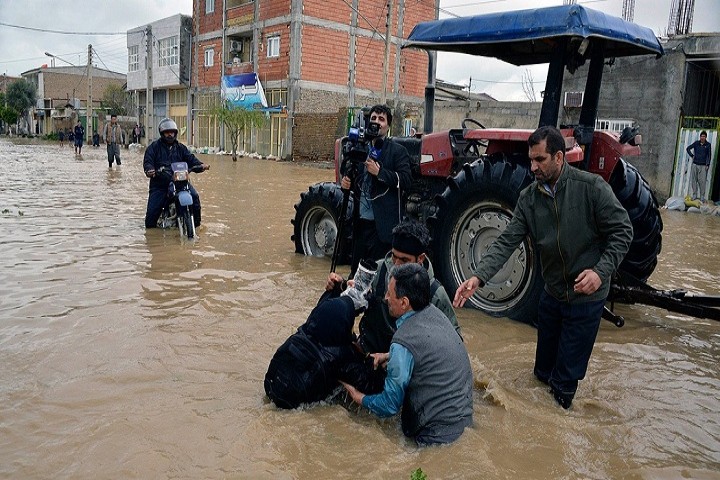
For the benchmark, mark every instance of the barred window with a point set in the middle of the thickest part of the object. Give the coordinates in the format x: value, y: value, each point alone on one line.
x: 133, y: 58
x: 168, y: 51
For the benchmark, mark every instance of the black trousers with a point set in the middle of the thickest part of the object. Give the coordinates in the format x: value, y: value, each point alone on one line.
x: 566, y: 335
x: 366, y: 244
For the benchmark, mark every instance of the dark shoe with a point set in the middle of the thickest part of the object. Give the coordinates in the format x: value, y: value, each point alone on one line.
x: 563, y: 399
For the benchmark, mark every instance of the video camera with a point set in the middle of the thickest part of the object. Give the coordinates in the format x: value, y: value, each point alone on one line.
x: 358, y: 143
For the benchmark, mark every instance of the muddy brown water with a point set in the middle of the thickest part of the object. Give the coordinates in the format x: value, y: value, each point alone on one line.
x: 133, y: 354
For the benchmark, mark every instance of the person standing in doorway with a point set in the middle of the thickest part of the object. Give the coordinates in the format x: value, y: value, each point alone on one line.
x: 79, y: 133
x: 583, y: 233
x: 113, y: 137
x: 701, y: 153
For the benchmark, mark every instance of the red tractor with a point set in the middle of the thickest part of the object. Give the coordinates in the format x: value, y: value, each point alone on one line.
x: 466, y: 181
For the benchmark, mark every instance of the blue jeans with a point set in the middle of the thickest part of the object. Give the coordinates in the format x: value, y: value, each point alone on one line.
x: 566, y: 335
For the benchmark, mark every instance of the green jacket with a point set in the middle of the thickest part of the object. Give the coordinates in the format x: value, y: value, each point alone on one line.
x: 583, y: 226
x: 377, y: 327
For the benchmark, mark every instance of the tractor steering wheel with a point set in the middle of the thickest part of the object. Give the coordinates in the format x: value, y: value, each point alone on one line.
x: 470, y: 120
x: 473, y: 146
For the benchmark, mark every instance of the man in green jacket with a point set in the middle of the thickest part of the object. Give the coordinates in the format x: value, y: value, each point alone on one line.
x: 582, y: 233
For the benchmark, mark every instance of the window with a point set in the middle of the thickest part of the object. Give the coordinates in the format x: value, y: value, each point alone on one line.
x: 273, y: 46
x: 133, y: 58
x: 168, y: 52
x: 209, y: 7
x: 209, y: 56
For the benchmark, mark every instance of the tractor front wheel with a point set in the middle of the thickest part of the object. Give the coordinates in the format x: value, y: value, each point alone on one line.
x: 473, y: 212
x: 316, y: 221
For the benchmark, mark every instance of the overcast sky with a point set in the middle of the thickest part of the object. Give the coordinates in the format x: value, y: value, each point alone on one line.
x: 23, y: 49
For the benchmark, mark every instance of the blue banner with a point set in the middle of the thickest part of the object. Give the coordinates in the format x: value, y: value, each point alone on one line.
x: 244, y: 91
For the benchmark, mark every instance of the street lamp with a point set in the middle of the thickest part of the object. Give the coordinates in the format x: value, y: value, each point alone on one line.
x: 61, y: 59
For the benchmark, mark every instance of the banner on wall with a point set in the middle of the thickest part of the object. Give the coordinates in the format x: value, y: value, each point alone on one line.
x: 244, y: 90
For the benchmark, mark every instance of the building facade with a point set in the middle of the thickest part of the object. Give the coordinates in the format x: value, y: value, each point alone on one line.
x: 664, y: 97
x: 314, y: 59
x: 63, y: 94
x: 159, y: 60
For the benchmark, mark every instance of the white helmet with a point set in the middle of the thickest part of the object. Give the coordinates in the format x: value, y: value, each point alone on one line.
x: 168, y: 125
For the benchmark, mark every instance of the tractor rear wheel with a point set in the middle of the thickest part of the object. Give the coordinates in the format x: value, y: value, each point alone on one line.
x: 638, y: 199
x: 473, y: 211
x: 316, y: 221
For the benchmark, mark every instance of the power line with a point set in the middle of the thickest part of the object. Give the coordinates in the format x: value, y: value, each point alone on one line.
x: 60, y: 32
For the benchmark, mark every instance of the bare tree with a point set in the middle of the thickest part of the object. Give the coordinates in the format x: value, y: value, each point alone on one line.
x: 528, y: 85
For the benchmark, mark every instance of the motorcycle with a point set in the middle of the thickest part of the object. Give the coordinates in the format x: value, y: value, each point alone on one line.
x: 178, y: 210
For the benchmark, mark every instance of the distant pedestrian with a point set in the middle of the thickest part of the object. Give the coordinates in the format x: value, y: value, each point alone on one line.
x: 71, y: 137
x: 79, y: 133
x: 96, y: 139
x: 136, y: 134
x: 701, y: 153
x: 61, y: 137
x: 113, y: 137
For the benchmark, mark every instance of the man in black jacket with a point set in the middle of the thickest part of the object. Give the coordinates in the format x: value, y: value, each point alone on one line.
x: 162, y: 153
x: 379, y: 184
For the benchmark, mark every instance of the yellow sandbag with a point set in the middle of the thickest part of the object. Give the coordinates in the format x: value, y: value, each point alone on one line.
x: 689, y: 202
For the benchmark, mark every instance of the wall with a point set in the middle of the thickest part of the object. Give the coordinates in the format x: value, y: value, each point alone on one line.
x: 649, y: 91
x: 491, y: 114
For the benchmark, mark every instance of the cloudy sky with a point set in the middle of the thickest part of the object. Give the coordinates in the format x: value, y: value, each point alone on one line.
x: 64, y: 28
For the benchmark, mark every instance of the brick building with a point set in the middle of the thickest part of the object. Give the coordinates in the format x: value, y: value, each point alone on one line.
x: 62, y: 94
x: 314, y: 60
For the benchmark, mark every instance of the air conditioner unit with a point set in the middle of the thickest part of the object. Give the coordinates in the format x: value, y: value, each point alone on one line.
x: 236, y: 46
x: 573, y: 99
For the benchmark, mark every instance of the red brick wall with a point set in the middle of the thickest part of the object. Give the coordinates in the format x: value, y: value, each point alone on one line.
x: 333, y: 10
x: 325, y: 55
x: 275, y: 68
x: 274, y: 8
x: 209, y: 76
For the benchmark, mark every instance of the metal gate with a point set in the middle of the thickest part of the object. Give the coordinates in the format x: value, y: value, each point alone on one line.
x: 690, y: 128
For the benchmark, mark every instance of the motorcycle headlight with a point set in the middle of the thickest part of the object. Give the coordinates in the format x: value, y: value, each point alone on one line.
x: 180, y: 176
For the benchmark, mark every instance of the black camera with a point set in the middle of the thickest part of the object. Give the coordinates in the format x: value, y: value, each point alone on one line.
x: 358, y: 143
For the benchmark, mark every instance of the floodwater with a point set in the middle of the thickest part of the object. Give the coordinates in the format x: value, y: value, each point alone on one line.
x: 134, y: 354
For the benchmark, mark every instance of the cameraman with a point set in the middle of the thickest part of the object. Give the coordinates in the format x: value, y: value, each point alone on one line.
x: 378, y: 186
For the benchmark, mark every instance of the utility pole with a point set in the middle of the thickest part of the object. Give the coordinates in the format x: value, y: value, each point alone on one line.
x: 88, y: 109
x: 149, y: 121
x: 351, y: 59
x: 388, y: 36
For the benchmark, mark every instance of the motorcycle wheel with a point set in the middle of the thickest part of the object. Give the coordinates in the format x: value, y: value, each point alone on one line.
x: 186, y: 223
x: 316, y: 221
x: 473, y: 211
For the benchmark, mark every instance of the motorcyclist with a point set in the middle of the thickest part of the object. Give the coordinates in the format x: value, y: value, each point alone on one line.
x: 161, y: 154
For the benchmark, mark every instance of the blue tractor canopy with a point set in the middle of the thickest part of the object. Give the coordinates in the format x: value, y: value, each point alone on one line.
x: 563, y: 36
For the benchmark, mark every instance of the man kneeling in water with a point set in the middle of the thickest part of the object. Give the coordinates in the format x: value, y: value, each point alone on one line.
x: 306, y: 367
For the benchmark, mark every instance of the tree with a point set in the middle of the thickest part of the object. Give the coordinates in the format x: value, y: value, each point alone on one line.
x: 236, y: 120
x: 114, y: 99
x: 528, y: 85
x: 21, y: 95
